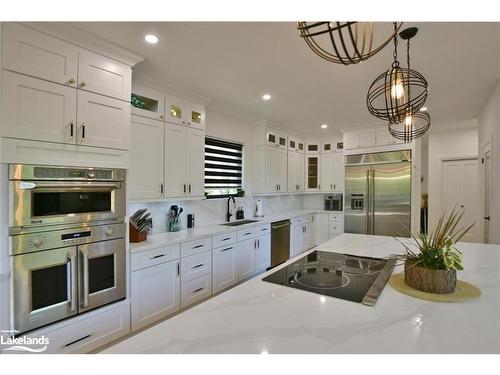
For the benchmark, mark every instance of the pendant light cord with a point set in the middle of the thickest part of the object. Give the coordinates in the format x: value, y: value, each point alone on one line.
x: 395, y: 64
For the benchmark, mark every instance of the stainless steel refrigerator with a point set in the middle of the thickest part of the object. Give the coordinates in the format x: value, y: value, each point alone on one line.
x: 378, y: 193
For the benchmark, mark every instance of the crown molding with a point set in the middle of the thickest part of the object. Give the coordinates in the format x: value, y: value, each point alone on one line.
x: 68, y: 32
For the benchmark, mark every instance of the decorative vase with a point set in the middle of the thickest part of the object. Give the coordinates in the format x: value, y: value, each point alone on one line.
x: 428, y: 280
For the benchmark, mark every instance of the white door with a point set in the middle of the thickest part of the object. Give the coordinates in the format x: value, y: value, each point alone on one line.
x: 38, y: 110
x: 319, y: 230
x: 146, y: 158
x: 246, y: 258
x: 152, y: 102
x: 367, y: 139
x: 225, y: 273
x: 295, y: 172
x: 103, y: 121
x: 103, y: 75
x: 31, y: 52
x: 155, y: 293
x: 174, y: 110
x: 338, y: 172
x: 263, y: 253
x: 281, y: 169
x: 487, y: 195
x: 196, y: 116
x: 327, y: 172
x: 175, y: 160
x: 306, y: 237
x: 195, y: 162
x: 271, y: 169
x: 460, y: 189
x: 296, y: 239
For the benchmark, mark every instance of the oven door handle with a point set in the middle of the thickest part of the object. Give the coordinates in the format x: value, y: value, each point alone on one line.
x: 85, y: 279
x: 71, y: 271
x: 61, y: 186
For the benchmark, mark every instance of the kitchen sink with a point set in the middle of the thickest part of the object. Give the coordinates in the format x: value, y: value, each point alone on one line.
x: 241, y: 222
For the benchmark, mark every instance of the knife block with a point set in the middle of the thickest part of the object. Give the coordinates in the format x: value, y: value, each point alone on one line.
x: 135, y: 236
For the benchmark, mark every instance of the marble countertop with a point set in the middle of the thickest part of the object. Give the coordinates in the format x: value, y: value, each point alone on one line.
x: 260, y: 317
x: 171, y: 238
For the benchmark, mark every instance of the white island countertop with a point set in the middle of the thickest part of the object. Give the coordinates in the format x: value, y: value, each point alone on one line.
x: 260, y: 317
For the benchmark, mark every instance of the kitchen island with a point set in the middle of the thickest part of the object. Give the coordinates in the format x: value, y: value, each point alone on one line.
x: 260, y: 317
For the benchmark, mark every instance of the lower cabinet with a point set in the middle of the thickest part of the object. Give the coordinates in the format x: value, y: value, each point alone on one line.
x: 225, y: 272
x: 196, y: 277
x: 263, y: 253
x: 319, y: 230
x: 155, y: 293
x: 301, y: 236
x: 246, y: 258
x: 195, y: 290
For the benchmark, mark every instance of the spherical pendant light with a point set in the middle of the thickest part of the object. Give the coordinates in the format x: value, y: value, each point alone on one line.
x: 414, y: 125
x: 343, y: 42
x: 398, y: 90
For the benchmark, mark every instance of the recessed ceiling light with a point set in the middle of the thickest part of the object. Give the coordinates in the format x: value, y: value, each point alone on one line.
x: 150, y: 38
x: 423, y: 109
x: 324, y: 126
x: 266, y: 97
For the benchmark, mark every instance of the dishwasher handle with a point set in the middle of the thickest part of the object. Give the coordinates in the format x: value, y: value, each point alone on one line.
x: 280, y: 226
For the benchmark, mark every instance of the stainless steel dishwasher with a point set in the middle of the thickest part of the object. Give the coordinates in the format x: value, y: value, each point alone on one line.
x: 280, y: 242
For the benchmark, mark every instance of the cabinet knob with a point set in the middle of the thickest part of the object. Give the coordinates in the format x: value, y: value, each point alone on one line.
x: 83, y: 83
x: 71, y: 81
x: 161, y: 116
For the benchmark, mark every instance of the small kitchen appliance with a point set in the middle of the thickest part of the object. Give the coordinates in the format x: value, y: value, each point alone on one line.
x: 350, y: 277
x: 258, y: 209
x: 334, y: 202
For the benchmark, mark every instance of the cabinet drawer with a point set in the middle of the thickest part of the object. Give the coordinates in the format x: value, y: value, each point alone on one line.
x: 244, y: 234
x: 196, y: 290
x: 154, y: 257
x: 335, y: 228
x: 196, y: 265
x: 262, y: 229
x: 335, y: 217
x: 88, y: 332
x: 224, y: 239
x: 196, y: 247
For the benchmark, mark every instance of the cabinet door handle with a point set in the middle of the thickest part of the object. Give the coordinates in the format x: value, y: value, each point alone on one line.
x: 178, y: 269
x: 334, y: 186
x: 246, y: 234
x: 226, y: 239
x: 184, y: 185
x: 77, y: 340
x: 226, y: 249
x: 189, y: 188
x: 254, y: 244
x: 161, y: 189
x: 71, y: 129
x: 198, y: 290
x: 198, y: 266
x: 83, y: 130
x: 158, y: 256
x: 198, y: 246
x: 258, y: 244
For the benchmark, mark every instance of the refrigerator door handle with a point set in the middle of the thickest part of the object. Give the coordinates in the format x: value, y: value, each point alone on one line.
x: 368, y: 200
x: 372, y: 195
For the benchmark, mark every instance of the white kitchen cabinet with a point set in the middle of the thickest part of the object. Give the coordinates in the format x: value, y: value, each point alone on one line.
x: 38, y: 110
x: 195, y: 162
x: 383, y: 138
x: 102, y: 75
x: 151, y: 102
x: 155, y: 293
x: 313, y: 147
x: 296, y: 239
x: 262, y: 253
x: 295, y: 172
x: 300, y: 236
x: 327, y: 172
x: 319, y: 229
x: 28, y: 51
x: 306, y: 237
x: 184, y: 161
x: 275, y: 170
x: 195, y: 290
x: 145, y: 178
x: 339, y: 172
x: 295, y: 145
x: 183, y: 112
x: 312, y: 172
x: 224, y: 271
x: 103, y: 121
x: 246, y: 258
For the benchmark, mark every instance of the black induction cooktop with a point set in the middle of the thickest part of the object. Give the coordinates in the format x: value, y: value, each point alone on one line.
x: 350, y: 277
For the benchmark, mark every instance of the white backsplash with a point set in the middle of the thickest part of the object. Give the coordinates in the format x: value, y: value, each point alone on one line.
x: 213, y: 211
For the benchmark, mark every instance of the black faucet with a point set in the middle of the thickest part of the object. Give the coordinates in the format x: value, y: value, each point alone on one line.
x: 228, y: 213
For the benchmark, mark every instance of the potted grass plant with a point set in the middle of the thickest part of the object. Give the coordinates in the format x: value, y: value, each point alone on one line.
x: 432, y: 266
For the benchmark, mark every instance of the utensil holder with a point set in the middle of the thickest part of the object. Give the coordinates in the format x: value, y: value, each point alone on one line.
x: 174, y: 224
x: 135, y: 236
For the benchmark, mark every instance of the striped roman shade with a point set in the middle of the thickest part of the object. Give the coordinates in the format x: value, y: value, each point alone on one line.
x: 223, y: 168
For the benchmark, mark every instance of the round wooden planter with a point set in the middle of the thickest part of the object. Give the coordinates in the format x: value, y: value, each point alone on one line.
x: 430, y: 281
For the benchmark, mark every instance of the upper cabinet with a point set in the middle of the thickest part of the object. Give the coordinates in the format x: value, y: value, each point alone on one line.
x: 182, y: 112
x: 312, y: 172
x: 313, y: 147
x: 102, y: 75
x: 147, y: 102
x: 31, y: 52
x: 369, y: 138
x: 295, y: 145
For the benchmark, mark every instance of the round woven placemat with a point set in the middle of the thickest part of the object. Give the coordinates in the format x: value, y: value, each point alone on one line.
x: 463, y: 292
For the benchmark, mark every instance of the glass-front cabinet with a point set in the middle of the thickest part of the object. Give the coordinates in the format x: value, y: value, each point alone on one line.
x: 147, y: 102
x: 183, y: 112
x: 312, y: 173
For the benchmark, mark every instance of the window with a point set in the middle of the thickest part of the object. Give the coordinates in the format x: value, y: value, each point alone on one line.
x: 223, y: 168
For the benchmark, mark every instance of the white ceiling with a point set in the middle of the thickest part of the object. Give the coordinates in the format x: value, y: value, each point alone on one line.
x: 233, y: 64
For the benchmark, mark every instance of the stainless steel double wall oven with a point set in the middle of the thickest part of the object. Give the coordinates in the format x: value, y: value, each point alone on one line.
x: 67, y: 242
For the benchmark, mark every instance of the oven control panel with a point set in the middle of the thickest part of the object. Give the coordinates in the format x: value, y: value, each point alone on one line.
x: 31, y: 242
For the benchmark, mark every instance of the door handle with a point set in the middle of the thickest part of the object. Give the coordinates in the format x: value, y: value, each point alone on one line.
x: 373, y: 201
x: 487, y: 218
x: 189, y: 188
x: 82, y: 127
x: 71, y: 269
x: 161, y: 189
x: 85, y: 275
x: 184, y: 185
x: 71, y: 130
x: 367, y: 218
